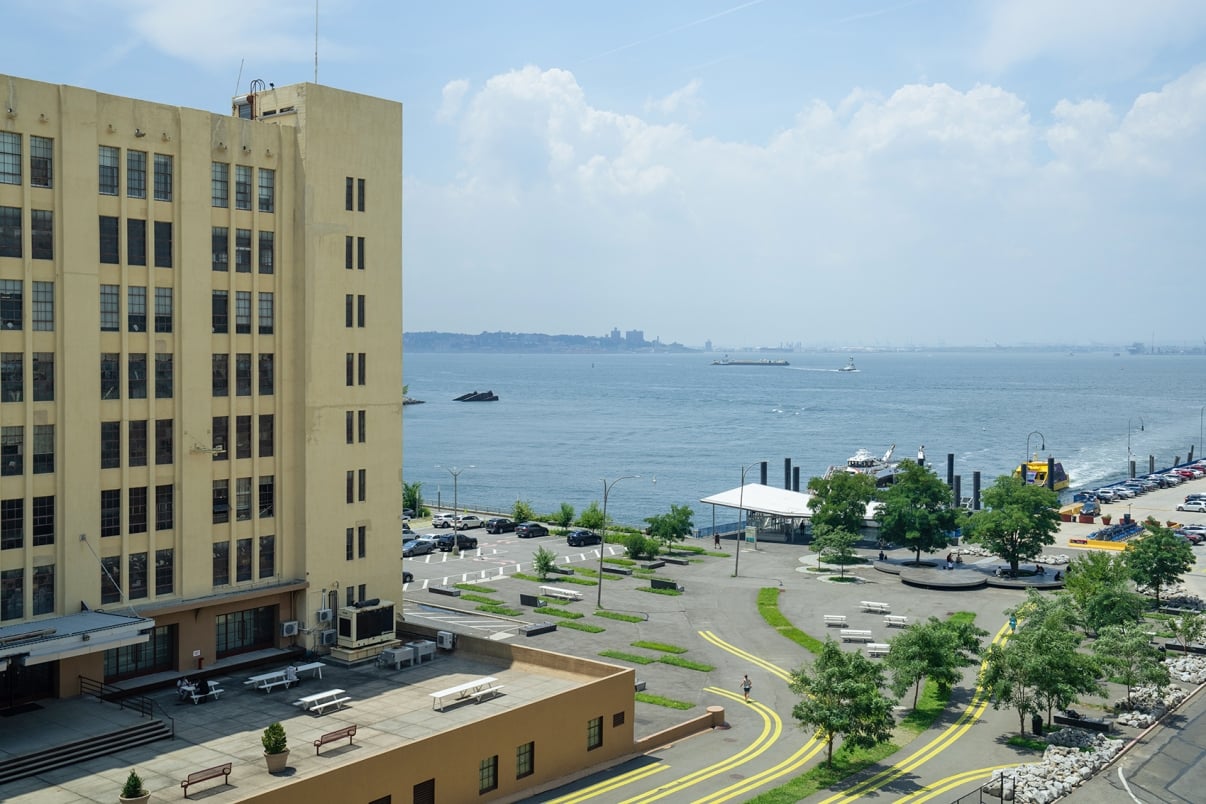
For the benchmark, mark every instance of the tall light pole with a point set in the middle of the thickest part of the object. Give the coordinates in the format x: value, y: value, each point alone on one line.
x: 456, y: 473
x: 740, y: 513
x: 1042, y: 445
x: 603, y: 540
x: 1142, y: 424
x: 1201, y: 413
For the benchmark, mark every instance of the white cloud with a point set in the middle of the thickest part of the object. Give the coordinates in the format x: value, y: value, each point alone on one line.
x: 684, y: 100
x: 453, y: 96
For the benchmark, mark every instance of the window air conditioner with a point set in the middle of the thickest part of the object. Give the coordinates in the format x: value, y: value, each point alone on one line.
x: 289, y: 628
x: 325, y: 615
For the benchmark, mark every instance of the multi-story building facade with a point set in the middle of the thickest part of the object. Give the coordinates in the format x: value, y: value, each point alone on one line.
x: 200, y: 376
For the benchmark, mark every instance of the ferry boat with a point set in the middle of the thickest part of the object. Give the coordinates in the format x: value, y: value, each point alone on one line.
x: 1034, y: 473
x: 862, y: 462
x: 763, y: 362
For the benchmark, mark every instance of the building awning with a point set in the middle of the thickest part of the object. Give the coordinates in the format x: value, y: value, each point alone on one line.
x: 58, y: 638
x: 774, y: 502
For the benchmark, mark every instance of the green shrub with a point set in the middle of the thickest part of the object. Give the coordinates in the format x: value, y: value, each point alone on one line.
x: 274, y: 739
x: 133, y: 787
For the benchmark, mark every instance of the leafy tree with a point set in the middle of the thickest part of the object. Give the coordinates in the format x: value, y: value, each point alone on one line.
x: 1127, y: 651
x: 916, y: 510
x: 522, y: 511
x: 834, y: 545
x: 564, y: 516
x: 1113, y: 607
x: 933, y: 649
x: 543, y: 561
x: 671, y: 528
x: 1009, y: 676
x: 1159, y: 559
x: 1050, y: 641
x: 591, y: 518
x: 1188, y: 628
x: 1019, y: 521
x: 841, y: 695
x: 412, y: 497
x: 639, y: 546
x: 839, y: 502
x: 1093, y: 572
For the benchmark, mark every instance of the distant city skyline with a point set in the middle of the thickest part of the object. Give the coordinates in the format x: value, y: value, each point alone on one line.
x: 755, y: 173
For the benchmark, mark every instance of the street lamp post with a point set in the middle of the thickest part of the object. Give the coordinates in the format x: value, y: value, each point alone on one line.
x: 1042, y: 444
x: 456, y: 473
x: 606, y: 491
x: 1201, y: 413
x: 741, y: 515
x: 1142, y: 424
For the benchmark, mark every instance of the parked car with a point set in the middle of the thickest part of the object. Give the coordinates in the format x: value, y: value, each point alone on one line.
x: 1105, y: 495
x: 408, y: 513
x: 407, y: 576
x: 581, y: 538
x: 499, y: 525
x: 467, y: 522
x: 442, y: 520
x: 1197, y: 506
x: 462, y: 541
x: 417, y: 547
x: 526, y: 530
x: 1193, y: 536
x: 1194, y: 497
x: 1185, y: 473
x: 1122, y: 492
x: 406, y: 528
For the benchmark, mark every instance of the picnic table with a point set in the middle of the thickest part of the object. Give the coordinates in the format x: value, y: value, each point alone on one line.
x: 477, y: 689
x: 277, y: 678
x: 199, y: 691
x: 313, y: 668
x: 320, y: 701
x: 560, y: 593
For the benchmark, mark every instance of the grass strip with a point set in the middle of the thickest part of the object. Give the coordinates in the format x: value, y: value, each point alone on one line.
x: 670, y: 592
x: 474, y: 587
x: 624, y: 618
x: 929, y: 706
x: 590, y: 577
x: 577, y: 626
x: 657, y: 700
x: 622, y: 562
x: 768, y: 607
x: 550, y: 611
x: 482, y: 599
x: 678, y: 661
x: 499, y: 609
x: 1027, y: 743
x: 626, y: 657
x: 846, y: 763
x: 662, y: 646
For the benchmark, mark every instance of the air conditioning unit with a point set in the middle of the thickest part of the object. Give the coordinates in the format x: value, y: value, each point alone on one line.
x: 329, y: 637
x: 369, y: 622
x: 445, y: 640
x: 325, y: 615
x: 289, y: 628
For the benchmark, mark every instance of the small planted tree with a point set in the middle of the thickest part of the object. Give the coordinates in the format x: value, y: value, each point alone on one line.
x: 839, y: 502
x: 916, y: 510
x: 1128, y: 653
x: 1018, y: 522
x: 640, y: 546
x: 564, y: 516
x: 133, y: 788
x: 934, y: 649
x: 591, y: 518
x: 412, y: 497
x: 671, y: 528
x: 1159, y: 559
x: 1188, y: 628
x: 543, y: 561
x: 522, y: 511
x: 834, y: 545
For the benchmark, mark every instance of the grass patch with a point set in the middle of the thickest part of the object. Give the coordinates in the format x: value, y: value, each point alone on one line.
x: 768, y: 607
x: 482, y: 599
x: 523, y: 576
x: 846, y: 763
x: 929, y: 706
x: 589, y: 577
x: 842, y: 579
x: 718, y: 554
x: 622, y: 562
x: 624, y: 618
x: 474, y: 587
x: 587, y: 627
x: 678, y: 661
x: 670, y: 592
x: 662, y: 646
x: 962, y: 617
x: 690, y: 548
x: 625, y: 657
x: 657, y: 700
x: 551, y: 611
x: 837, y: 562
x: 1027, y: 743
x: 491, y: 608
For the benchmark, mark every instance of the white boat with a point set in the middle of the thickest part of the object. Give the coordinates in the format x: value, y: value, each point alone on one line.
x: 884, y: 469
x: 849, y: 366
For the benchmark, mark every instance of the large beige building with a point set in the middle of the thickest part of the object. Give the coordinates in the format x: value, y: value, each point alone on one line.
x: 200, y: 377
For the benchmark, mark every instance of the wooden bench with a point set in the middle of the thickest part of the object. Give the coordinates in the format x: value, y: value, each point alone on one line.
x: 208, y: 773
x: 896, y: 621
x: 662, y: 583
x: 559, y: 593
x: 835, y: 619
x: 873, y: 606
x: 332, y: 736
x: 855, y: 635
x: 878, y: 649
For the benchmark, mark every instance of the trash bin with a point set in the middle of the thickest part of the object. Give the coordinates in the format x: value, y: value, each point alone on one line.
x: 1036, y: 724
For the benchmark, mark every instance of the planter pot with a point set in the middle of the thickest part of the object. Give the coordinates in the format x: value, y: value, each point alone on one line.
x: 135, y: 799
x: 1086, y: 519
x: 1105, y: 520
x: 1065, y: 517
x: 277, y: 762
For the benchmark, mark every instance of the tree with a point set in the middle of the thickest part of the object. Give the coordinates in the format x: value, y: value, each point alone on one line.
x: 1050, y: 640
x: 591, y: 518
x: 671, y: 528
x: 933, y: 649
x: 1188, y: 628
x: 1100, y: 585
x: 1112, y: 607
x: 841, y: 696
x: 522, y: 511
x: 412, y: 497
x: 839, y: 502
x: 1159, y: 559
x: 543, y: 561
x: 639, y: 546
x: 835, y: 545
x: 1019, y: 521
x: 1127, y: 651
x: 1009, y: 677
x: 564, y: 516
x: 916, y: 510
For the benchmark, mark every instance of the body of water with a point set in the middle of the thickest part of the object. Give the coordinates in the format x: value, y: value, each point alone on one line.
x: 564, y: 423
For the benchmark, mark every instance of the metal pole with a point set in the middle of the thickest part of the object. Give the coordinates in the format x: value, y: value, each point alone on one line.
x: 456, y: 474
x: 741, y: 518
x: 603, y: 541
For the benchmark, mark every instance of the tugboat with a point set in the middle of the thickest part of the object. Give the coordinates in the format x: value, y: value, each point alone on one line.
x: 884, y: 469
x: 1034, y: 473
x: 477, y: 396
x: 849, y: 366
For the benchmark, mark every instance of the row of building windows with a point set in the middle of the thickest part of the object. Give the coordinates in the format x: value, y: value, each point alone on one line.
x: 136, y: 308
x: 136, y: 498
x: 12, y: 305
x: 165, y: 572
x: 136, y: 443
x: 356, y: 425
x: 353, y: 311
x: 136, y: 375
x: 109, y: 244
x: 220, y: 374
x: 220, y: 248
x: 12, y: 376
x: 12, y: 592
x: 353, y: 247
x: 220, y: 187
x: 41, y: 233
x: 41, y: 160
x: 525, y: 765
x: 158, y: 653
x: 266, y: 502
x: 356, y: 485
x: 109, y: 173
x: 13, y: 519
x: 354, y: 190
x: 243, y: 437
x: 355, y: 369
x: 220, y: 312
x: 12, y: 449
x: 356, y: 542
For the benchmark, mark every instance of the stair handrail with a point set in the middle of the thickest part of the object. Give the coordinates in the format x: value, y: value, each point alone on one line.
x: 140, y: 703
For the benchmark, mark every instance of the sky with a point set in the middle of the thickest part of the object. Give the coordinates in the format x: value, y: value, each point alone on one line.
x: 755, y: 173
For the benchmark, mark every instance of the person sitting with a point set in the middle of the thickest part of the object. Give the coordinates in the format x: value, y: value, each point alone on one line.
x: 1039, y: 570
x: 950, y: 565
x: 882, y: 556
x: 1057, y: 575
x: 958, y: 558
x: 290, y: 675
x: 181, y: 685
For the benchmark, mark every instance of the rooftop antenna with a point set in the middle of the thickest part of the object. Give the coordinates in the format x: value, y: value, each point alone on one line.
x: 316, y: 41
x: 239, y: 80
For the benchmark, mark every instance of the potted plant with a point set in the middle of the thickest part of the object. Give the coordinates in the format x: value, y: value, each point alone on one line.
x: 1106, y: 518
x: 276, y: 749
x: 133, y: 791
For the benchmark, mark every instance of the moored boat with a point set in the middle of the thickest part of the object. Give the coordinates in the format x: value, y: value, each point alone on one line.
x: 1034, y: 473
x: 763, y: 362
x: 883, y: 470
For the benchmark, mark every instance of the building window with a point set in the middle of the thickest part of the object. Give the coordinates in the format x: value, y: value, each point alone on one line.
x: 360, y: 253
x: 10, y: 158
x: 10, y: 232
x: 242, y: 436
x: 136, y: 241
x: 266, y: 313
x: 362, y: 425
x: 243, y: 312
x: 219, y: 184
x: 156, y: 655
x: 109, y: 161
x: 163, y: 177
x: 43, y: 520
x: 41, y: 163
x: 110, y: 445
x: 12, y: 451
x: 267, y: 374
x: 12, y: 594
x: 220, y: 238
x: 349, y: 369
x: 41, y: 231
x: 221, y: 436
x: 349, y: 307
x: 165, y: 570
x: 242, y: 187
x: 360, y: 484
x: 360, y: 195
x: 110, y: 375
x: 350, y: 483
x: 163, y: 375
x: 136, y: 382
x: 42, y: 306
x: 220, y: 306
x: 348, y: 250
x: 221, y: 502
x: 243, y: 631
x: 138, y: 509
x: 163, y: 309
x: 12, y: 303
x: 347, y: 193
x: 267, y: 190
x: 12, y: 524
x: 349, y: 426
x: 164, y: 441
x: 43, y: 376
x: 220, y: 375
x: 362, y: 541
x: 525, y: 760
x: 136, y: 309
x: 43, y: 589
x: 267, y: 440
x: 243, y: 251
x: 110, y: 512
x: 221, y: 563
x: 267, y: 556
x: 136, y: 441
x: 243, y: 560
x: 349, y: 544
x: 136, y: 174
x: 594, y: 733
x: 243, y: 374
x: 165, y: 507
x: 360, y: 369
x: 12, y: 377
x: 267, y: 499
x: 138, y: 576
x: 110, y: 308
x: 360, y: 311
x: 267, y: 252
x: 487, y: 774
x: 110, y: 573
x: 243, y: 501
x: 43, y: 449
x: 163, y: 244
x: 110, y: 240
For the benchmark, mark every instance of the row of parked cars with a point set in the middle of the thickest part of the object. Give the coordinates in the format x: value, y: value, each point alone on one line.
x: 1141, y: 485
x: 415, y: 545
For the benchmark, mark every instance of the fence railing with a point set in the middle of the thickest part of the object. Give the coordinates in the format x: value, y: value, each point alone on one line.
x: 125, y: 699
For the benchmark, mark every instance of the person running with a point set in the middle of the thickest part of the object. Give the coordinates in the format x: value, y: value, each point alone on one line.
x: 745, y: 686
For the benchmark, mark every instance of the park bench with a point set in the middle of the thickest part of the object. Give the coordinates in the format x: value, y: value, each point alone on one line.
x: 1081, y: 722
x: 529, y: 600
x: 652, y: 565
x: 896, y: 620
x: 451, y: 591
x: 211, y: 691
x: 855, y: 635
x: 835, y: 619
x: 208, y: 773
x: 878, y: 649
x: 332, y: 736
x: 873, y: 606
x: 319, y: 702
x: 560, y: 593
x: 617, y: 570
x: 662, y: 583
x: 476, y: 689
x: 675, y: 560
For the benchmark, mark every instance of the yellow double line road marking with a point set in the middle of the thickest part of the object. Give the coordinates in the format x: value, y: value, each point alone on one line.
x: 613, y: 783
x: 773, y: 669
x: 943, y: 785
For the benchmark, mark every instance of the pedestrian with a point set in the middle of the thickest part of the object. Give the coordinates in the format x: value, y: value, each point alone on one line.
x: 716, y: 539
x: 882, y: 556
x: 745, y: 686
